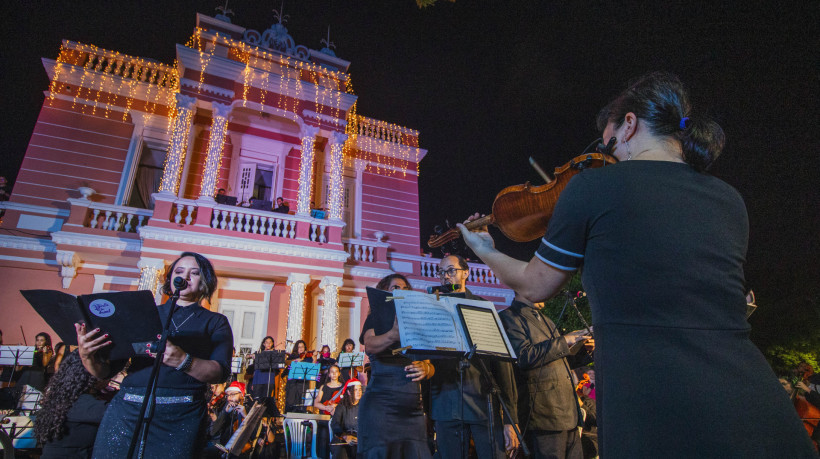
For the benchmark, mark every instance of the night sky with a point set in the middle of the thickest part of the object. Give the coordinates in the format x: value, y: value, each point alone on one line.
x: 489, y: 83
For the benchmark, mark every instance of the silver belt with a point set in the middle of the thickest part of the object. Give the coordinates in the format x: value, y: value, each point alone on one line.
x: 160, y: 400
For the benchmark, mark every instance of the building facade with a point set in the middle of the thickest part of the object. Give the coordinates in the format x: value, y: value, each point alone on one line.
x: 128, y: 155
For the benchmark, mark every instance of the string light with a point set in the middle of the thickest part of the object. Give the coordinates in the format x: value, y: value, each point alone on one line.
x: 296, y: 307
x: 330, y: 313
x: 306, y: 169
x: 179, y: 144
x: 336, y: 186
x: 213, y: 161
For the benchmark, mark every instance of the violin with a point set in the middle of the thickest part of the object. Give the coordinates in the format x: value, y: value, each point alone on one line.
x: 522, y: 212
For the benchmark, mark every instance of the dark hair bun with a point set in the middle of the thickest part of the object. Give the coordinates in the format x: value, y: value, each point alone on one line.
x: 660, y: 100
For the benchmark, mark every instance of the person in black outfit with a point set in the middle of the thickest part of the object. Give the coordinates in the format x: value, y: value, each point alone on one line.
x: 233, y: 412
x: 264, y: 381
x: 345, y: 423
x: 447, y: 402
x: 295, y: 388
x: 547, y: 406
x: 36, y: 375
x: 392, y: 419
x: 71, y: 411
x: 198, y: 353
x: 662, y: 245
x: 281, y: 207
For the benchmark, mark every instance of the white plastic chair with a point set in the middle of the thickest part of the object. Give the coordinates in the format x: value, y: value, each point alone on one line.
x: 296, y: 435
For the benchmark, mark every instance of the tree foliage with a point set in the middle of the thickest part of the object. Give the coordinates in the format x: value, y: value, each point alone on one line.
x: 563, y: 302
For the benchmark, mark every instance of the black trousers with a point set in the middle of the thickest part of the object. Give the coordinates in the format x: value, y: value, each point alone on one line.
x: 551, y: 444
x: 448, y: 435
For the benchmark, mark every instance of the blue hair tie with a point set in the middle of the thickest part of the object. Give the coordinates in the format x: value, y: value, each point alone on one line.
x: 684, y: 123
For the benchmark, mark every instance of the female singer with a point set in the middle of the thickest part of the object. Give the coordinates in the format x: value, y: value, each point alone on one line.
x: 71, y: 412
x: 198, y: 353
x: 662, y: 245
x: 392, y: 419
x: 328, y: 390
x: 264, y: 380
x: 345, y: 422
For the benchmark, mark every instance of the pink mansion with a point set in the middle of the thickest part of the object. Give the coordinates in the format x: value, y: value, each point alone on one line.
x: 128, y: 154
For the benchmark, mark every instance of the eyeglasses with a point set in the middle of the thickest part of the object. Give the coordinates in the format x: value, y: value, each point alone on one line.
x: 449, y: 272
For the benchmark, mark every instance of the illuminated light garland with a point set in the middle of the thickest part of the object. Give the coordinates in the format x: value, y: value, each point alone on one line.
x: 306, y: 169
x: 216, y: 142
x: 296, y: 307
x: 337, y: 141
x: 150, y: 275
x: 179, y: 144
x: 100, y: 68
x: 330, y: 312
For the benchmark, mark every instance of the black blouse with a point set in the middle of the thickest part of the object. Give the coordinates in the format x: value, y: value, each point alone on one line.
x: 204, y: 334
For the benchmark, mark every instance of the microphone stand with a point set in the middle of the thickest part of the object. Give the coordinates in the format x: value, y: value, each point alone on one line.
x: 149, y: 400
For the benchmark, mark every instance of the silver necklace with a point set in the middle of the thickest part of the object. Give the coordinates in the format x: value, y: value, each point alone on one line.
x: 177, y: 327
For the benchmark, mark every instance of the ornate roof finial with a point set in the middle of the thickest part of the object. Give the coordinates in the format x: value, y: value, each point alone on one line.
x: 280, y: 15
x: 224, y: 12
x: 328, y: 44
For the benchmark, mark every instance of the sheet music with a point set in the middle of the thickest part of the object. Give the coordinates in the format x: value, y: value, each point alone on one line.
x: 425, y: 324
x: 483, y: 330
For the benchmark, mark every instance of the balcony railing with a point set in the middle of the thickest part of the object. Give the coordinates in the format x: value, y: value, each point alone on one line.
x: 110, y: 217
x: 244, y: 221
x: 111, y: 63
x: 366, y: 251
x: 479, y: 273
x: 387, y: 132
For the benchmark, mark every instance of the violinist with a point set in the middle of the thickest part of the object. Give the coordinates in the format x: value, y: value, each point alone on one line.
x: 264, y: 381
x: 294, y: 388
x: 547, y: 405
x: 327, y: 393
x: 662, y: 246
x: 348, y: 371
x: 230, y: 416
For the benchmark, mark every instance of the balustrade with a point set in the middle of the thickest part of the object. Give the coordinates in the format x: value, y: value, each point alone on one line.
x: 479, y: 274
x: 115, y: 218
x: 390, y: 133
x: 265, y: 223
x: 122, y: 65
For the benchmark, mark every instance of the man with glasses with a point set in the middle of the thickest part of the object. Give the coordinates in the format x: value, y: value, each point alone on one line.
x: 447, y: 402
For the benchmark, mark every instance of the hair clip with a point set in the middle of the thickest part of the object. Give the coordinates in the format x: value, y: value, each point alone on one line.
x: 684, y: 123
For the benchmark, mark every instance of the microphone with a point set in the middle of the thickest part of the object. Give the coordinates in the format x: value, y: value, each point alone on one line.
x: 446, y: 288
x: 180, y: 283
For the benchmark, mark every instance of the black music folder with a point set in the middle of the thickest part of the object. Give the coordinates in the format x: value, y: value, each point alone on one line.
x: 129, y: 318
x: 269, y: 360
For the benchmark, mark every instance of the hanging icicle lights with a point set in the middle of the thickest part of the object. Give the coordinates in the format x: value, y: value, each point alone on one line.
x: 150, y: 83
x: 387, y: 148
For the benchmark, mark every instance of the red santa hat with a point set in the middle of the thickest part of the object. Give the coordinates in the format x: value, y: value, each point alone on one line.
x: 236, y: 386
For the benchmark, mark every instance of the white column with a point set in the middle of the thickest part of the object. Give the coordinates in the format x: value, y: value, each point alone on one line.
x: 330, y: 312
x: 337, y: 140
x: 219, y: 127
x: 306, y: 169
x: 180, y: 129
x: 68, y: 261
x: 296, y: 308
x: 151, y: 270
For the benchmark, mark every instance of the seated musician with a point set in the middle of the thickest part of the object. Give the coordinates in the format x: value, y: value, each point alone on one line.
x: 294, y: 388
x: 326, y: 394
x: 345, y: 422
x: 349, y: 372
x: 230, y: 417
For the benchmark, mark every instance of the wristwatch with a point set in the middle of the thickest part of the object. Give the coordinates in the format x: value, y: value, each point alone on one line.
x: 186, y: 363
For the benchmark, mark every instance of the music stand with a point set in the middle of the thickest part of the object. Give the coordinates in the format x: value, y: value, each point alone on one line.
x: 351, y: 360
x: 16, y: 355
x: 304, y: 371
